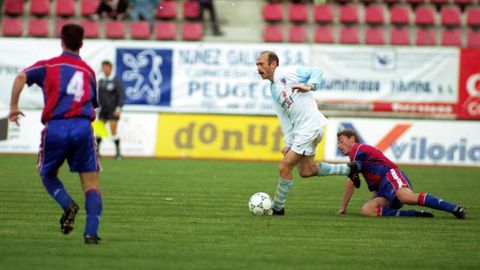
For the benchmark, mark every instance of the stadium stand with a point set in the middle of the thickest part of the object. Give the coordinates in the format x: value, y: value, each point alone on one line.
x: 375, y: 22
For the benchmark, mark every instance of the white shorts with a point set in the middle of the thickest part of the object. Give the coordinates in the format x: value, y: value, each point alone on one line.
x: 306, y: 144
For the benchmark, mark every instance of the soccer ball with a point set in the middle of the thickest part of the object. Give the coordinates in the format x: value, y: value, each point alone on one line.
x: 260, y: 204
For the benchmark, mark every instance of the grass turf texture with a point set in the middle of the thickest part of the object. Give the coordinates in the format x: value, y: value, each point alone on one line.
x: 185, y: 214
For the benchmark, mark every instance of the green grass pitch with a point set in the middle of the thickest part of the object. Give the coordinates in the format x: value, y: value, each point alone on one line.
x: 187, y: 214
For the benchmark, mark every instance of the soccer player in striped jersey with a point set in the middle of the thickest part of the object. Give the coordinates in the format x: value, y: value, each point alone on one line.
x: 302, y: 124
x: 69, y: 90
x: 390, y: 186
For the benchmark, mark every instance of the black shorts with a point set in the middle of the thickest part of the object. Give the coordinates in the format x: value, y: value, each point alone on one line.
x: 107, y: 114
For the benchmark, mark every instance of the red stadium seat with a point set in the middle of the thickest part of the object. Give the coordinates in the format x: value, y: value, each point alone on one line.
x: 89, y: 7
x: 349, y: 14
x: 40, y: 7
x: 38, y: 27
x: 191, y: 10
x: 349, y: 35
x: 324, y: 34
x: 400, y: 36
x: 473, y: 16
x: 323, y: 13
x: 91, y: 27
x: 374, y: 14
x: 473, y: 38
x: 165, y: 30
x: 12, y: 27
x: 58, y: 26
x: 13, y: 7
x: 166, y: 10
x: 273, y: 33
x: 400, y: 15
x: 65, y: 8
x: 424, y: 15
x: 375, y: 36
x: 115, y: 29
x: 450, y: 16
x: 272, y: 12
x: 298, y: 12
x: 140, y: 30
x: 425, y: 37
x: 192, y: 31
x: 452, y: 37
x: 297, y: 34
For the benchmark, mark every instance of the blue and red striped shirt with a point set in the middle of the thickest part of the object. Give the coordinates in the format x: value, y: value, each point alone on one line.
x: 68, y: 85
x: 373, y: 164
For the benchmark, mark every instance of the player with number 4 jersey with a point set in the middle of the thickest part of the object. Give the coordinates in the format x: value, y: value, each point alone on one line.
x: 69, y: 90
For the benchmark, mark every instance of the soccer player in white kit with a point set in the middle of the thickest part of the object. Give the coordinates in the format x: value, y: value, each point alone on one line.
x: 302, y: 124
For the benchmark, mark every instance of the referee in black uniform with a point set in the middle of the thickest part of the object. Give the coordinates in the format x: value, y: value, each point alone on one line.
x: 111, y: 96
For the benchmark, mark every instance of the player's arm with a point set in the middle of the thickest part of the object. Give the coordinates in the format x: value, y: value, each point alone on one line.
x: 17, y: 88
x: 120, y: 94
x: 310, y: 79
x: 347, y: 195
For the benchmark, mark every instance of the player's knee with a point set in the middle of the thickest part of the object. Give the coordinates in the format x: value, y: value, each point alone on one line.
x: 368, y: 211
x: 407, y: 196
x: 283, y: 168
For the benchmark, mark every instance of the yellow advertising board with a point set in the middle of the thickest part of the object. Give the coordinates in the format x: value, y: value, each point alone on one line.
x: 220, y: 137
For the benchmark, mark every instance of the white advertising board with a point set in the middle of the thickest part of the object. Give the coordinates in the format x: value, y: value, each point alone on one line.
x: 412, y: 141
x: 138, y: 133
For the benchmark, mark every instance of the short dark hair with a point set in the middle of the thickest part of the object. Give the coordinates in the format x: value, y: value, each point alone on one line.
x: 348, y: 133
x: 272, y: 57
x: 107, y: 63
x: 72, y: 36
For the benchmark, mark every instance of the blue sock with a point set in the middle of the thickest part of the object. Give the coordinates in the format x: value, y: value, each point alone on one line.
x: 428, y: 200
x: 56, y: 189
x: 332, y: 169
x: 93, y: 206
x: 281, y: 194
x: 386, y: 211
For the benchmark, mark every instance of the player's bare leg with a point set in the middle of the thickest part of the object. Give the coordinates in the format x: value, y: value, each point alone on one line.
x: 380, y: 207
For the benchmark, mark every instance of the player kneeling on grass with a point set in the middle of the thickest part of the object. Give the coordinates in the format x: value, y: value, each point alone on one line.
x: 390, y: 186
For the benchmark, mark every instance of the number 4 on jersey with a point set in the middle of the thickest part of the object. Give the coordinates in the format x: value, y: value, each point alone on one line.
x: 75, y: 86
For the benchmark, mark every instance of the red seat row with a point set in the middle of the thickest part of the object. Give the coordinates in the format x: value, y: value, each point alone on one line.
x: 373, y: 14
x: 373, y: 35
x: 166, y: 9
x: 164, y: 30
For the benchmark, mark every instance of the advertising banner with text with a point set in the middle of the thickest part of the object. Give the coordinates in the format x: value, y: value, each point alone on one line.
x: 221, y: 78
x: 413, y: 142
x: 469, y: 96
x: 420, y: 81
x: 220, y: 137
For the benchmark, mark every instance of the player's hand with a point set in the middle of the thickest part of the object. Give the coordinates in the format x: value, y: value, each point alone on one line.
x: 14, y: 115
x: 342, y: 211
x: 285, y: 150
x: 302, y: 88
x: 116, y: 113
